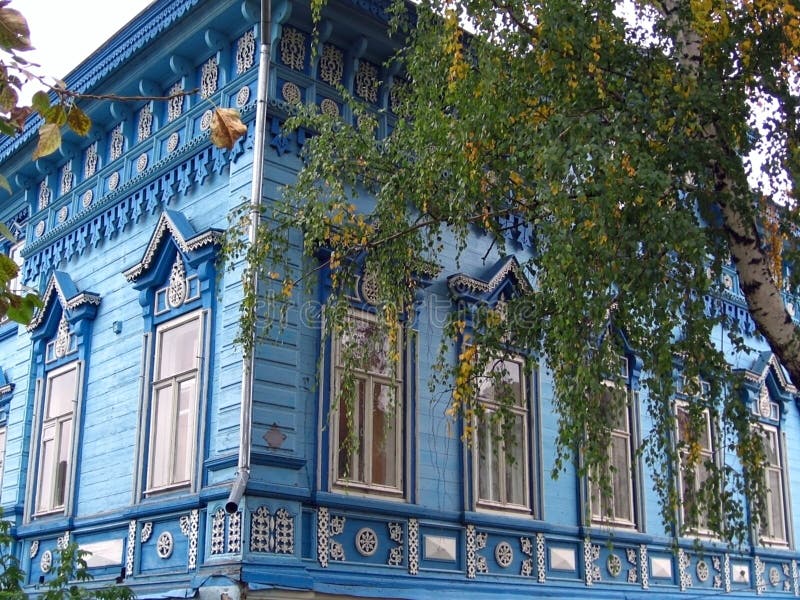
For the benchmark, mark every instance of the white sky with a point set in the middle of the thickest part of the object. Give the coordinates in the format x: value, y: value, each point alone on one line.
x: 64, y: 32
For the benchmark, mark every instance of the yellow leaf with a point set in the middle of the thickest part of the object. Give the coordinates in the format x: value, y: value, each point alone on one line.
x: 226, y: 127
x: 49, y: 140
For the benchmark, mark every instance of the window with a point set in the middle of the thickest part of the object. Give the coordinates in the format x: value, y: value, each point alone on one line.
x: 55, y: 443
x: 3, y: 431
x: 173, y: 413
x: 615, y: 506
x: 501, y: 472
x: 690, y: 484
x: 368, y: 447
x: 773, y: 530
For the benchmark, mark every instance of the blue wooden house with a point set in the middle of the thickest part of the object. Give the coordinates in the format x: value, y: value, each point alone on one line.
x: 131, y: 424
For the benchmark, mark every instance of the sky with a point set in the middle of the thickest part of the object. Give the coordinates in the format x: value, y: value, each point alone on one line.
x: 64, y: 32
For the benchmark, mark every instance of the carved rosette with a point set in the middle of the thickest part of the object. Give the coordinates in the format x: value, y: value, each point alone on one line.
x: 46, y: 562
x: 164, y: 545
x: 172, y: 141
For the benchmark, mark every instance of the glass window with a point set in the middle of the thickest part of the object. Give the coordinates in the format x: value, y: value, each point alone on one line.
x: 614, y: 506
x: 55, y: 444
x: 691, y: 483
x: 773, y: 529
x: 502, y: 470
x: 3, y: 431
x: 368, y: 436
x: 173, y: 412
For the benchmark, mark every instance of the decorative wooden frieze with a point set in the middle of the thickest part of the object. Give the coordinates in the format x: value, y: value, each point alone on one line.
x: 145, y: 126
x: 90, y: 161
x: 189, y: 525
x: 130, y: 548
x: 591, y: 554
x: 293, y: 48
x: 117, y: 143
x: 66, y: 178
x: 34, y: 548
x: 759, y: 568
x: 684, y: 577
x: 395, y: 553
x: 331, y: 65
x: 45, y: 195
x: 147, y: 531
x: 245, y: 51
x: 328, y: 527
x: 272, y: 533
x: 476, y: 563
x: 413, y: 546
x: 209, y: 77
x: 644, y: 567
x: 175, y: 103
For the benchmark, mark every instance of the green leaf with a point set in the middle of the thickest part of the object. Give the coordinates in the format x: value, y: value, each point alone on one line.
x: 78, y: 121
x: 4, y: 231
x: 49, y: 140
x: 22, y: 310
x: 40, y: 101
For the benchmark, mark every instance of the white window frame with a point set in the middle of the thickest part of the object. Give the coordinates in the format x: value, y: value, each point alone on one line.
x: 44, y: 506
x: 600, y: 513
x: 770, y: 537
x: 498, y: 455
x: 173, y: 381
x: 3, y: 441
x: 394, y: 378
x: 706, y: 454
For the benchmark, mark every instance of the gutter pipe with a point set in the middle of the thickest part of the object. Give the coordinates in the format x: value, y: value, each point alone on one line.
x: 256, y: 191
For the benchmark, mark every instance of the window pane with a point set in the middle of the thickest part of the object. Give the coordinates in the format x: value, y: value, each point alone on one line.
x: 621, y: 478
x: 351, y: 460
x: 488, y: 467
x: 775, y: 495
x: 61, y: 393
x: 64, y: 448
x: 46, y: 470
x: 183, y: 431
x: 515, y: 464
x: 161, y: 437
x: 384, y: 436
x: 179, y: 349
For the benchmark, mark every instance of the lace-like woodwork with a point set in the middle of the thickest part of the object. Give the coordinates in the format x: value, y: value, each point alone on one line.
x: 367, y: 81
x: 293, y: 48
x: 66, y: 178
x: 413, y: 546
x: 176, y: 293
x: 331, y: 65
x: 476, y: 563
x: 272, y: 533
x: 245, y: 52
x: 189, y: 527
x: 130, y: 548
x: 175, y: 105
x: 90, y: 163
x: 145, y: 123
x: 44, y: 195
x: 61, y: 345
x: 209, y: 77
x: 685, y: 578
x: 591, y: 553
x: 117, y: 143
x: 396, y: 553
